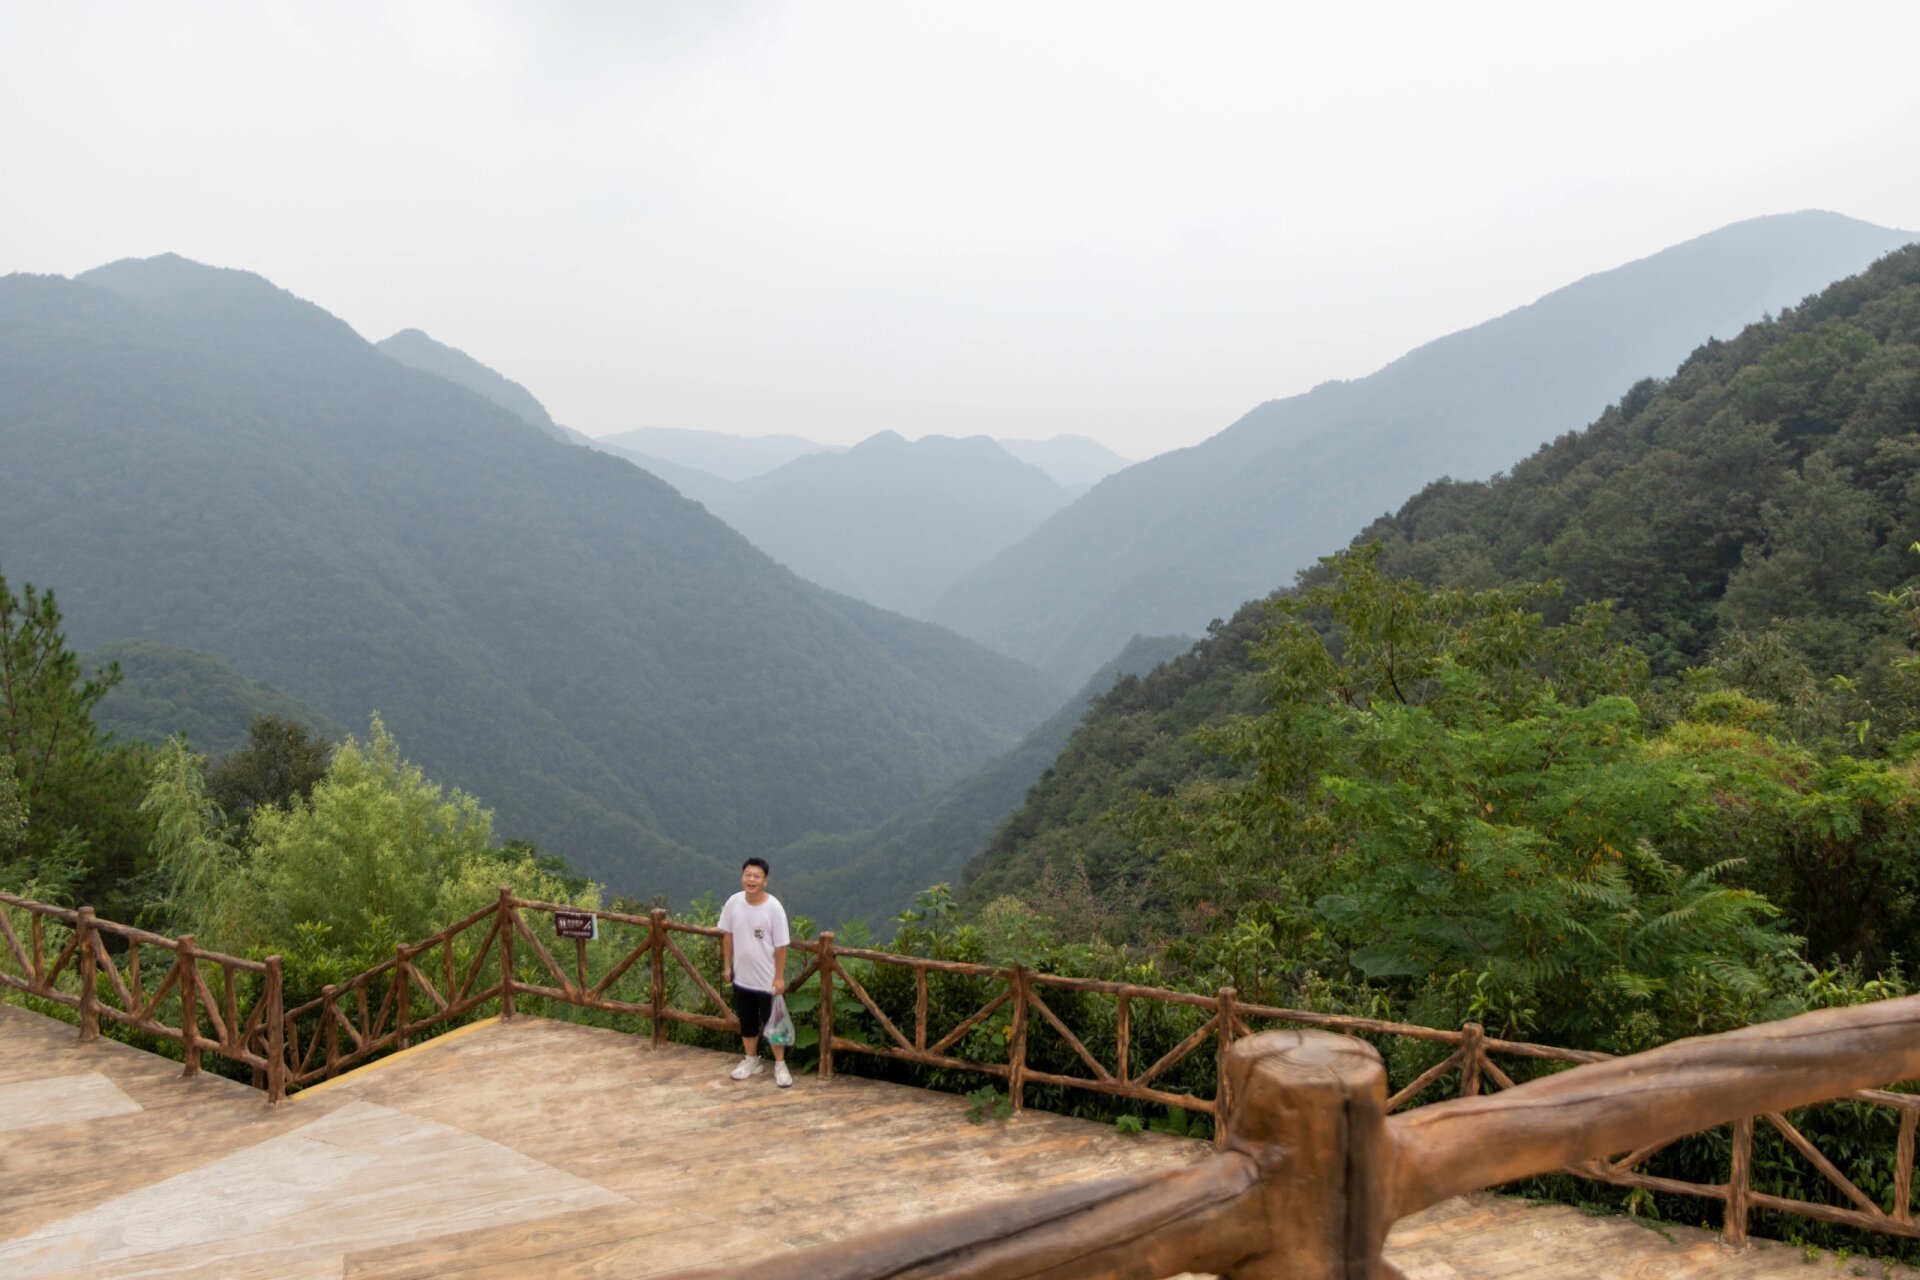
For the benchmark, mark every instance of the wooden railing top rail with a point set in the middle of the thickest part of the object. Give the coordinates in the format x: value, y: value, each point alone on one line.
x: 1605, y: 1108
x: 66, y: 915
x: 72, y: 916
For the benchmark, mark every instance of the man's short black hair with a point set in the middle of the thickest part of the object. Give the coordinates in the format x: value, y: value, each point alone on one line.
x: 761, y: 863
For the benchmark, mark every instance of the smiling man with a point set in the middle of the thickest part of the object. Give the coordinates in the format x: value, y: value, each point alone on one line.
x: 753, y: 957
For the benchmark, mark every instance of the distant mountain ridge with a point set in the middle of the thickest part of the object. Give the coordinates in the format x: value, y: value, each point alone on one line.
x: 414, y: 348
x: 1169, y: 543
x: 890, y: 521
x: 730, y: 457
x: 1071, y: 460
x: 197, y: 458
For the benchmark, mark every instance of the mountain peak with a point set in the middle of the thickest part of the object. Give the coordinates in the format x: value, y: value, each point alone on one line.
x: 416, y: 349
x: 244, y: 311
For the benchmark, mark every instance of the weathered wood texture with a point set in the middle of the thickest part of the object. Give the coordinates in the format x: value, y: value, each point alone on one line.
x: 536, y: 1148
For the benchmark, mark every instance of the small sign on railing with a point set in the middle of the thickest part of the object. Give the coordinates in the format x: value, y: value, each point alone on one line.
x: 576, y: 924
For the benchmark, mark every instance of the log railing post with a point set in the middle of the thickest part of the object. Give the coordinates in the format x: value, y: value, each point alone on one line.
x: 657, y: 947
x: 1017, y: 1043
x: 506, y: 952
x: 273, y: 1016
x: 189, y: 1006
x: 1300, y: 1092
x: 1739, y: 1182
x: 85, y: 936
x: 1473, y: 1039
x: 402, y: 997
x: 1224, y: 999
x: 1903, y: 1164
x: 37, y: 957
x: 826, y: 1005
x: 329, y: 1014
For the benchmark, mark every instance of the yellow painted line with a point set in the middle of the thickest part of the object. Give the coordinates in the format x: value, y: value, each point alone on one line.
x: 392, y: 1058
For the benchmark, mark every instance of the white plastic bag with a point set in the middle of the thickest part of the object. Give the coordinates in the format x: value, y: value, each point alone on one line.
x: 780, y: 1023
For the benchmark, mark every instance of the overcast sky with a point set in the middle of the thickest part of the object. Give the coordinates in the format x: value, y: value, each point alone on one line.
x: 1130, y: 221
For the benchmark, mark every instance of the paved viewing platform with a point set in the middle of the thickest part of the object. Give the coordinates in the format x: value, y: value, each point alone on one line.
x: 540, y: 1148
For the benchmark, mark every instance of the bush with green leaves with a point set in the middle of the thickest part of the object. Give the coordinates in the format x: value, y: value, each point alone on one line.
x: 376, y: 856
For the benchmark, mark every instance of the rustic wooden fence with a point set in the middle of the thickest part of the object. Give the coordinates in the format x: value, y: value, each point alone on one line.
x: 1316, y: 1170
x: 150, y: 983
x: 641, y: 966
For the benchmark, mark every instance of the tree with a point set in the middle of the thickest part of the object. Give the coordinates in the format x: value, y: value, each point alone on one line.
x: 281, y: 762
x: 1458, y: 799
x: 13, y: 814
x: 377, y: 855
x: 83, y: 838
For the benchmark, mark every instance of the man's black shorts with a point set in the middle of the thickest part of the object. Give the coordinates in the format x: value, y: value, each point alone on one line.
x: 753, y: 1008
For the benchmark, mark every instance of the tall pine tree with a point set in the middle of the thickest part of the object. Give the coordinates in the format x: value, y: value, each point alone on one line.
x: 84, y: 838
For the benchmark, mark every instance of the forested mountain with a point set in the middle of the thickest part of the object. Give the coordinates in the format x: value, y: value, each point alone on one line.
x: 1743, y: 512
x: 165, y: 690
x: 873, y: 875
x: 1165, y: 545
x: 196, y: 458
x: 890, y: 521
x: 416, y: 350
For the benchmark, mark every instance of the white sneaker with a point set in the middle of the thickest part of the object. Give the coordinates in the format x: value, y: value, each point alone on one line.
x: 748, y: 1067
x: 782, y: 1076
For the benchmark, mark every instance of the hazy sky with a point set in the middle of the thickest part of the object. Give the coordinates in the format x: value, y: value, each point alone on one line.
x: 1132, y: 221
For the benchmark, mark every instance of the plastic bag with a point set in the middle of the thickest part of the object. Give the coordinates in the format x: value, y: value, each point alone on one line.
x: 779, y: 1023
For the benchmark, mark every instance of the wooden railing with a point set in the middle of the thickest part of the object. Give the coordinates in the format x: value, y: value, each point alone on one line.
x: 642, y: 966
x: 1315, y: 1170
x: 237, y: 1016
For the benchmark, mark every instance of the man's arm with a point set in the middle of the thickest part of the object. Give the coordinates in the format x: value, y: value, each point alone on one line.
x: 726, y: 957
x: 779, y: 971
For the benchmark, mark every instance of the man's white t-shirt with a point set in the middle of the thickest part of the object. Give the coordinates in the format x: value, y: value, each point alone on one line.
x: 756, y: 932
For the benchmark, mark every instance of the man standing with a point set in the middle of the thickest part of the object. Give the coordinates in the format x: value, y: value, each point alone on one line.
x: 753, y: 957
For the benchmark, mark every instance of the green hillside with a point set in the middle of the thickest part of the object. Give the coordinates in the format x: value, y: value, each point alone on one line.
x: 196, y: 458
x: 1169, y: 543
x: 1775, y: 476
x: 873, y: 875
x: 165, y: 690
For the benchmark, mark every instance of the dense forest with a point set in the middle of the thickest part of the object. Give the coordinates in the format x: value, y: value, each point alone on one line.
x: 163, y: 690
x: 198, y: 459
